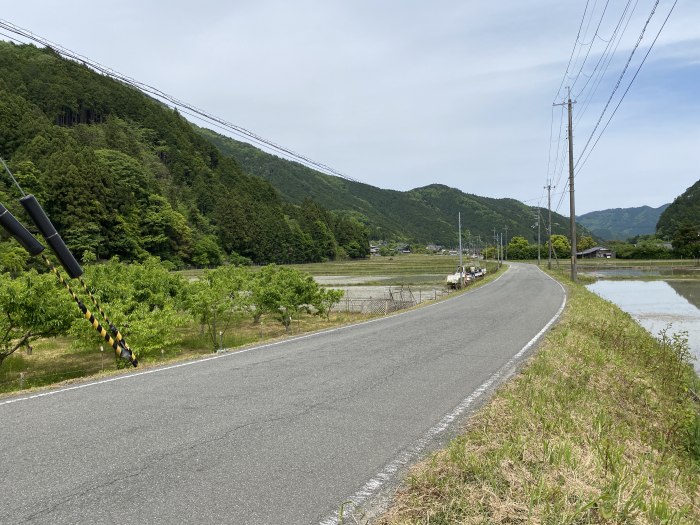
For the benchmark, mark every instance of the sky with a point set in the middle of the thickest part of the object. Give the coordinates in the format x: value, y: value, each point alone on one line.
x: 403, y: 94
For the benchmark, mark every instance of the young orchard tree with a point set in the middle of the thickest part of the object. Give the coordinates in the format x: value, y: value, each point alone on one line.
x: 327, y: 299
x: 219, y: 297
x: 140, y: 299
x: 285, y: 292
x: 32, y: 306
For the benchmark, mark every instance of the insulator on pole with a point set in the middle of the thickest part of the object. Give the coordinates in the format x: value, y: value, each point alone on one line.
x: 19, y: 232
x: 53, y: 239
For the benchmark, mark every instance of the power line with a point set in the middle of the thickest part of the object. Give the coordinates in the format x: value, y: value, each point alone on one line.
x: 605, y: 54
x: 628, y: 86
x: 573, y: 50
x: 559, y: 147
x: 619, y: 80
x: 606, y: 58
x: 590, y: 46
x: 161, y: 95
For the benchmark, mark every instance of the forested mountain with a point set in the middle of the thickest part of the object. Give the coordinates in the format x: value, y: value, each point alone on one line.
x: 622, y: 223
x: 426, y: 214
x: 120, y: 174
x: 680, y: 223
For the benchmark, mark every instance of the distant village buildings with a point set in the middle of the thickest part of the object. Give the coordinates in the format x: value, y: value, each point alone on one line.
x: 597, y: 252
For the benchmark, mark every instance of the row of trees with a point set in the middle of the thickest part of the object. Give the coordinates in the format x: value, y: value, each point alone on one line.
x: 519, y: 248
x: 686, y: 244
x: 150, y: 303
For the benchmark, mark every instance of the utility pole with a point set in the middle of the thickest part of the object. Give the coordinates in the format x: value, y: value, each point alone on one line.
x: 572, y: 208
x: 549, y: 208
x: 461, y: 268
x: 538, y: 235
x: 495, y: 246
x: 572, y: 211
x: 506, y: 245
x: 501, y: 248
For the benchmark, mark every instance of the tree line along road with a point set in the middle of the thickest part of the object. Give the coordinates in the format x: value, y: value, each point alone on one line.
x: 279, y: 433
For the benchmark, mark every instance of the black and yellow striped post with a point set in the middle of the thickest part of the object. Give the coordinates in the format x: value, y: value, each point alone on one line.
x: 115, y: 331
x: 122, y: 351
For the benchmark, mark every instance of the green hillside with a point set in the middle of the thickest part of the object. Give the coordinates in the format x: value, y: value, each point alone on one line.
x: 425, y: 215
x: 122, y: 175
x: 622, y: 223
x: 680, y: 223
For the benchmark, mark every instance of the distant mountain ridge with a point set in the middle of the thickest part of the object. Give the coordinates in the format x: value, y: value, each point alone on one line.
x: 622, y: 223
x: 421, y: 215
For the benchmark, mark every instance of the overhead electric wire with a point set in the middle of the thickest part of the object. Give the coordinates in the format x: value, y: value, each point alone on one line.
x: 561, y: 143
x: 593, y: 82
x: 550, y: 176
x: 560, y: 158
x: 605, y: 54
x: 561, y: 84
x: 590, y: 46
x: 607, y: 59
x: 551, y: 128
x: 151, y: 90
x: 583, y: 18
x: 579, y: 41
x: 560, y: 170
x: 9, y: 37
x: 619, y: 81
x: 628, y: 87
x: 561, y: 199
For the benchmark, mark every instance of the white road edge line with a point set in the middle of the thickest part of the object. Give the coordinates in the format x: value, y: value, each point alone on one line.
x: 412, y: 452
x: 228, y: 354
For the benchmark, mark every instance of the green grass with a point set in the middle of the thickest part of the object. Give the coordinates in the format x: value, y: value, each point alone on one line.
x: 396, y: 266
x: 407, y: 269
x: 599, y: 427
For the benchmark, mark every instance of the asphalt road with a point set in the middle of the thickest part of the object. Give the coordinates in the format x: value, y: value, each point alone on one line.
x: 281, y: 433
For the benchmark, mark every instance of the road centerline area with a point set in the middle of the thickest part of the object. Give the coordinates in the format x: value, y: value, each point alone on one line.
x: 280, y: 434
x: 372, y: 487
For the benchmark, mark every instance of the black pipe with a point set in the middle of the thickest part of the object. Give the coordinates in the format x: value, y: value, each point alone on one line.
x: 53, y: 239
x: 19, y: 232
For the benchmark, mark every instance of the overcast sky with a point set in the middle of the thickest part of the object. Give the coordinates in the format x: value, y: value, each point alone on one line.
x: 402, y: 94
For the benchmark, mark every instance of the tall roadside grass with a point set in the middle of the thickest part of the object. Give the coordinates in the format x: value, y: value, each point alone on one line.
x: 601, y: 426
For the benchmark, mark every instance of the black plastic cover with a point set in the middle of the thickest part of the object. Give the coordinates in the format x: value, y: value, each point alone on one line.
x: 53, y: 239
x: 19, y: 232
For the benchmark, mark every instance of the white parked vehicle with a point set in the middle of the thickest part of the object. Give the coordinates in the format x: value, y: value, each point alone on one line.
x: 464, y: 275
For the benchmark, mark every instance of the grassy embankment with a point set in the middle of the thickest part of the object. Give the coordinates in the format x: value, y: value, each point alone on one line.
x: 599, y: 427
x: 56, y: 360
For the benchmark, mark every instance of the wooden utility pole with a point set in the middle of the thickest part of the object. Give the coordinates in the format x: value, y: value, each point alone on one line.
x: 495, y: 246
x: 572, y: 207
x: 539, y: 242
x: 549, y: 206
x: 461, y: 268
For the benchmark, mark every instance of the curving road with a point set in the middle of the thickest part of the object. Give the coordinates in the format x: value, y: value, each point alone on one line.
x: 280, y: 433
